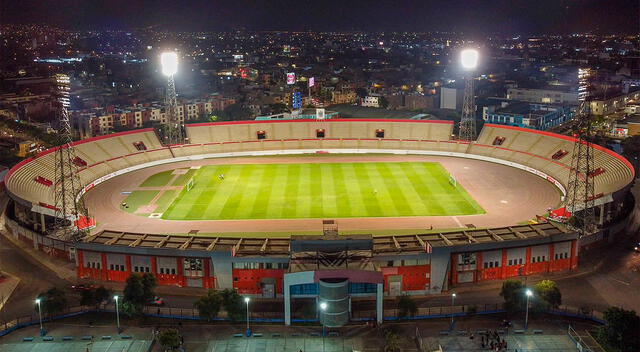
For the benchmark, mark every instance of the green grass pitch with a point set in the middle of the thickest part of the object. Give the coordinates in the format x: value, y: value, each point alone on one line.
x: 321, y: 190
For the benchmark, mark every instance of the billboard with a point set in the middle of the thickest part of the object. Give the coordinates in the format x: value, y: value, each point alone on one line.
x: 312, y: 82
x: 291, y: 78
x: 297, y: 100
x: 320, y: 114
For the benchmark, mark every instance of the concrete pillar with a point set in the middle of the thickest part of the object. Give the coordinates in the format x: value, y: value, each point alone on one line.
x: 42, y: 223
x: 601, y: 221
x: 379, y: 301
x: 287, y: 301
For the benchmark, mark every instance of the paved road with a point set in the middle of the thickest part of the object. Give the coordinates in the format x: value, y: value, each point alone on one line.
x: 33, y: 279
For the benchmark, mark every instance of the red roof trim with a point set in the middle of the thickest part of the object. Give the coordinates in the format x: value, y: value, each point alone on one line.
x: 249, y: 122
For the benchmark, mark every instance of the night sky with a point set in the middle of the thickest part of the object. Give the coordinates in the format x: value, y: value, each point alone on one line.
x: 471, y: 16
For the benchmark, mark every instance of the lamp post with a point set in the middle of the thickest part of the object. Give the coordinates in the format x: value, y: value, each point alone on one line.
x: 453, y: 298
x: 117, y: 313
x: 323, y: 308
x: 246, y: 300
x: 526, y: 317
x: 38, y: 302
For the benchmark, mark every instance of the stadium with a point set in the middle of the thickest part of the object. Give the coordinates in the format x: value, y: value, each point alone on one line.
x: 321, y: 209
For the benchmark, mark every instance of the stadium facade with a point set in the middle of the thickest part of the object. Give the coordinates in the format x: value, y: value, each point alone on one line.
x: 331, y: 268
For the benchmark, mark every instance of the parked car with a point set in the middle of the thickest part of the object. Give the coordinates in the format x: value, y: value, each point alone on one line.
x: 82, y: 287
x: 157, y: 301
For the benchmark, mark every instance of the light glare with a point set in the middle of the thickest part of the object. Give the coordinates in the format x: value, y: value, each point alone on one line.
x: 169, y: 61
x: 529, y: 293
x: 323, y: 306
x: 246, y: 300
x: 469, y: 58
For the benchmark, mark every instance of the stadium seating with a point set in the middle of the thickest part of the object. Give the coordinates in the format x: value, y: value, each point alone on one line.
x: 107, y: 154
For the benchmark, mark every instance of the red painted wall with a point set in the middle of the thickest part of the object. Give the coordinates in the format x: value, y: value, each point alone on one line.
x: 414, y: 277
x: 248, y: 280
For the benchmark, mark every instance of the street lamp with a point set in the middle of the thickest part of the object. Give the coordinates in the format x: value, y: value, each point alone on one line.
x: 526, y: 317
x: 117, y: 312
x: 246, y: 300
x: 323, y: 308
x: 453, y: 297
x: 38, y: 302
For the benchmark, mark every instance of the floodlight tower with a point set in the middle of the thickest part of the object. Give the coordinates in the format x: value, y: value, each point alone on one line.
x: 469, y: 61
x: 174, y: 131
x: 580, y: 200
x: 69, y: 211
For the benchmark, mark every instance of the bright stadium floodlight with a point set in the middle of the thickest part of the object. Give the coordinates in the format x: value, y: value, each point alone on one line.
x: 469, y: 59
x: 169, y: 62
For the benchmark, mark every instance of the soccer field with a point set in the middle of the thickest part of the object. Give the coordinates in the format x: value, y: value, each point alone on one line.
x: 320, y: 190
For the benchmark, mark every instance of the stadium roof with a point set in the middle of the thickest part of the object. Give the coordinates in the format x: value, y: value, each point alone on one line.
x: 256, y: 246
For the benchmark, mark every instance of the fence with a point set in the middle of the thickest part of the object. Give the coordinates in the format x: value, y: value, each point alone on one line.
x: 278, y: 317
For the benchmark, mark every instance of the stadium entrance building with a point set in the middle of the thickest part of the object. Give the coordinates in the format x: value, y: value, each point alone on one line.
x: 331, y: 269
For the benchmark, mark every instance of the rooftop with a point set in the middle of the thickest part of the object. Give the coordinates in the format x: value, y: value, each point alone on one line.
x: 265, y: 246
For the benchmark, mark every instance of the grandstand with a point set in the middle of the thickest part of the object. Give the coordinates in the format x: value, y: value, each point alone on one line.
x: 382, y: 264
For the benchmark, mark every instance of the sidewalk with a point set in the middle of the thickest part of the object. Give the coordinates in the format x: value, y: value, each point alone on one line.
x: 8, y: 284
x: 63, y: 269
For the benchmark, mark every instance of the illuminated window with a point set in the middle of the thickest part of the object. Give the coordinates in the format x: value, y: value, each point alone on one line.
x: 559, y: 154
x: 262, y: 135
x: 320, y: 133
x: 379, y: 133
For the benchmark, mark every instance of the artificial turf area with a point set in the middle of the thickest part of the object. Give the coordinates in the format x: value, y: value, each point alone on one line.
x: 320, y: 190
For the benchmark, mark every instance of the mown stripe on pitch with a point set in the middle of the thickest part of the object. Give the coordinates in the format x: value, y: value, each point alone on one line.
x: 186, y: 201
x: 207, y: 205
x: 342, y: 196
x: 411, y: 195
x: 329, y: 201
x: 380, y: 191
x: 233, y: 201
x: 354, y: 191
x: 416, y: 177
x: 447, y: 191
x: 303, y: 192
x: 291, y: 192
x: 314, y: 181
x: 262, y: 200
x: 366, y: 191
x: 277, y: 202
x: 396, y: 193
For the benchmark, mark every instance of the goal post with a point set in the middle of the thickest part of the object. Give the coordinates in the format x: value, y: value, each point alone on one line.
x: 452, y: 181
x: 190, y: 184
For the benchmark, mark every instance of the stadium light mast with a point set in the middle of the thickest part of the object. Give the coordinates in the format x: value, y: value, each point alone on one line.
x: 469, y: 61
x: 71, y: 218
x: 173, y: 126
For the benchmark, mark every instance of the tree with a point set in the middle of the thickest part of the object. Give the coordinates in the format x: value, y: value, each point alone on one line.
x: 279, y: 108
x: 149, y: 284
x: 512, y: 292
x: 52, y: 301
x: 631, y: 146
x: 620, y: 333
x: 235, y: 112
x: 232, y: 303
x: 392, y: 342
x: 406, y: 306
x: 209, y: 305
x: 170, y: 339
x: 94, y: 297
x: 361, y: 92
x: 383, y: 102
x: 137, y: 292
x: 548, y: 295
